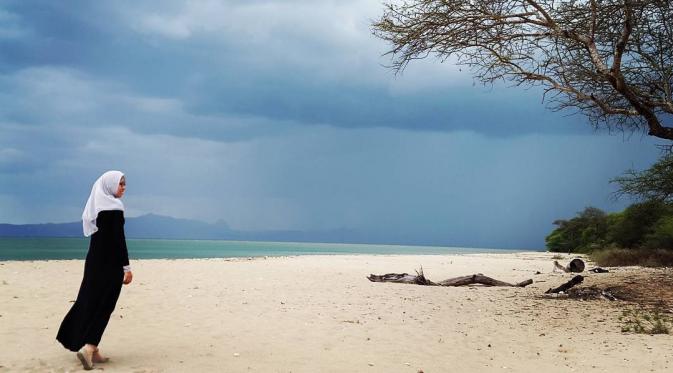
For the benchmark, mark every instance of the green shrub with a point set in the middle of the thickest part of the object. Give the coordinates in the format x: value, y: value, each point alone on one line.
x: 661, y: 236
x: 639, y: 235
x: 630, y: 228
x: 582, y: 233
x: 641, y: 321
x: 556, y: 241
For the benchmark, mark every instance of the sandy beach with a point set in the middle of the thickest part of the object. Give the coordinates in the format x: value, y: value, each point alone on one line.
x: 321, y: 314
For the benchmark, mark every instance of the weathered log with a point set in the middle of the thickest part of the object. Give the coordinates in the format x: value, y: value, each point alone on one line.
x: 574, y: 281
x: 480, y: 279
x: 420, y: 279
x: 576, y: 266
x: 402, y: 278
x: 471, y: 279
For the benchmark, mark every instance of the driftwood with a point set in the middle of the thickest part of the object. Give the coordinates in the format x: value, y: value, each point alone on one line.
x: 576, y: 266
x: 574, y: 281
x: 402, y: 278
x: 480, y: 279
x: 419, y: 279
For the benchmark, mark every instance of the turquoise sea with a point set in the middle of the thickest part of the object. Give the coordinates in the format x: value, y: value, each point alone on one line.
x: 76, y: 248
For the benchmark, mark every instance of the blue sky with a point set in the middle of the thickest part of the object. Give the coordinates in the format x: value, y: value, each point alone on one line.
x: 281, y: 115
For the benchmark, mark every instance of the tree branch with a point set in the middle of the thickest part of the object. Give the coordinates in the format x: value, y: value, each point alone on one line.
x: 610, y: 59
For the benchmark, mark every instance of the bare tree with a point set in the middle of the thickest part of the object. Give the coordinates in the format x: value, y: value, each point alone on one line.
x: 611, y: 60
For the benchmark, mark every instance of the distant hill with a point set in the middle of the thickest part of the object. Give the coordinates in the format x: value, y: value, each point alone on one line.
x: 41, y: 230
x: 157, y: 226
x: 165, y: 227
x: 145, y: 226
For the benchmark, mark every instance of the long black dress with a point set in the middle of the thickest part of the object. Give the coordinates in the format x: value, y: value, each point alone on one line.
x: 103, y: 277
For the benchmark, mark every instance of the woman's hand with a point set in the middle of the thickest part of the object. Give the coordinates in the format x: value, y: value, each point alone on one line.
x: 128, y: 277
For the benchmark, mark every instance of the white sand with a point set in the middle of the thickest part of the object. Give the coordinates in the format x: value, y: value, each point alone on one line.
x: 320, y: 314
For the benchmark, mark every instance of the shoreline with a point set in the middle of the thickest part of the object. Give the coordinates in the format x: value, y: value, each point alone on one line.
x: 310, y: 313
x: 76, y: 248
x: 317, y: 254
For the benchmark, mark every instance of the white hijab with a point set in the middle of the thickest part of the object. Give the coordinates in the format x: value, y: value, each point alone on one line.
x: 101, y: 199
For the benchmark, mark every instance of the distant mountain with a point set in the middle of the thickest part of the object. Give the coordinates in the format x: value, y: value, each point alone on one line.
x: 157, y: 226
x: 145, y: 226
x: 41, y: 230
x: 165, y: 227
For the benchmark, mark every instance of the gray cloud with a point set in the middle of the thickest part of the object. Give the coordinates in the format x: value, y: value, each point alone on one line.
x: 304, y: 62
x: 279, y: 115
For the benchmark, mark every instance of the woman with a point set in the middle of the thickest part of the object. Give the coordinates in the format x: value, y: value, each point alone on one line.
x: 106, y: 268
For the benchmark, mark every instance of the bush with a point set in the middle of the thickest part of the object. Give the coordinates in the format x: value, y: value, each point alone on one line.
x: 580, y: 234
x: 645, y: 322
x: 630, y: 228
x: 662, y: 235
x: 556, y: 242
x: 639, y: 235
x: 614, y: 257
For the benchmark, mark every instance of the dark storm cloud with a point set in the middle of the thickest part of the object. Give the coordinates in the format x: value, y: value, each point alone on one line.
x: 279, y: 115
x: 315, y: 72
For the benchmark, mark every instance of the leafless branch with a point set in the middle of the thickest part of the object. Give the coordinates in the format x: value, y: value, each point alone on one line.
x: 611, y: 60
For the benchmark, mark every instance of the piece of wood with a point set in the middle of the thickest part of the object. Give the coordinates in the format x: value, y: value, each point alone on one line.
x: 480, y: 279
x: 402, y: 278
x: 574, y: 281
x: 420, y: 279
x: 575, y: 266
x: 559, y: 267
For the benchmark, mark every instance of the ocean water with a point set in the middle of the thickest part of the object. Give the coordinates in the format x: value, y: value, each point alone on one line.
x: 76, y: 248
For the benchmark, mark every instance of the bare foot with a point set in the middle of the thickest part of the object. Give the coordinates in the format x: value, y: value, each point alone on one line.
x: 85, y: 357
x: 98, y: 358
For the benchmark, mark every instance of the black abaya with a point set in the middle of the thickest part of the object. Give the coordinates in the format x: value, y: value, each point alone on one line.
x: 101, y: 285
